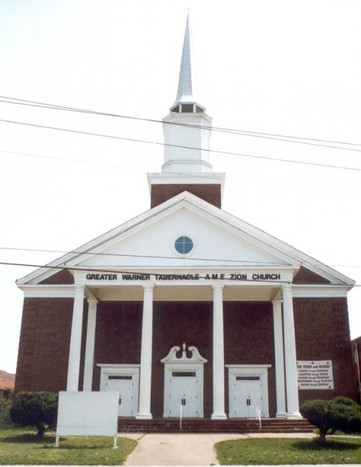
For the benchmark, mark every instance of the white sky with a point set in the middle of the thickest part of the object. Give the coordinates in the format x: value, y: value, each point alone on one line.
x: 289, y: 67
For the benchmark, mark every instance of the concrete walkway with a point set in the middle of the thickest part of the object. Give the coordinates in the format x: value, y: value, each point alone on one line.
x: 182, y: 449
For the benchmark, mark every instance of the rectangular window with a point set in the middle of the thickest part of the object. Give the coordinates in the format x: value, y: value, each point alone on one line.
x: 247, y: 378
x: 122, y: 377
x: 187, y: 108
x: 187, y: 374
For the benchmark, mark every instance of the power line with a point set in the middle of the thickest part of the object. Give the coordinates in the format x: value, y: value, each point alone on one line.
x: 121, y: 255
x: 137, y: 140
x: 274, y: 136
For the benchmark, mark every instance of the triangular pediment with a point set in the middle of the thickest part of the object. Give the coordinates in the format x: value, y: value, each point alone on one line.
x: 220, y: 241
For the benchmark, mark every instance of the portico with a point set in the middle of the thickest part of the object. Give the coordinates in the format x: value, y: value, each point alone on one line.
x: 100, y: 288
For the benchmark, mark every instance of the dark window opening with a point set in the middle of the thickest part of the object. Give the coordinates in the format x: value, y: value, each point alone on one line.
x: 188, y: 374
x: 120, y: 377
x: 247, y: 378
x: 187, y: 108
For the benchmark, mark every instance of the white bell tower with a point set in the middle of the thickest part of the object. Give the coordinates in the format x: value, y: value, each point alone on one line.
x: 187, y: 128
x: 187, y: 132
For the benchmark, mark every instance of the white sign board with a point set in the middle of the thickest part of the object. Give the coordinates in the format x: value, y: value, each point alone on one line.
x: 87, y: 413
x: 315, y: 374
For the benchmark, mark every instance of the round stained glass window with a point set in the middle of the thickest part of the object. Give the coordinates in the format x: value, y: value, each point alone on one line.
x: 183, y: 245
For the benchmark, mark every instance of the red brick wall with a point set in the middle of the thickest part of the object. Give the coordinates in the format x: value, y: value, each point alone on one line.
x: 175, y: 323
x: 118, y: 335
x: 322, y: 333
x: 44, y: 344
x: 60, y: 277
x: 209, y: 192
x: 249, y: 331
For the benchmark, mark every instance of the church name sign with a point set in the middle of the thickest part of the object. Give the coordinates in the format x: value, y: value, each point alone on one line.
x: 244, y: 276
x: 315, y: 374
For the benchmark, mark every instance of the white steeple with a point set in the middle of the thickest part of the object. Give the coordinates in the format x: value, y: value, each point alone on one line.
x: 185, y: 83
x: 187, y: 125
x: 187, y: 132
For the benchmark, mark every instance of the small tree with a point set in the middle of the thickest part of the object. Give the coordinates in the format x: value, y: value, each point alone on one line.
x: 328, y: 416
x: 37, y: 409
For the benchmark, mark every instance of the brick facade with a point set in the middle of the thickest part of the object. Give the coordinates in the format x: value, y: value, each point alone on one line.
x: 321, y: 333
x: 44, y: 344
x: 208, y: 192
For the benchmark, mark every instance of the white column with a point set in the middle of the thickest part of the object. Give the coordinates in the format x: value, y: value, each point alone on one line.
x: 75, y: 340
x: 218, y: 354
x: 279, y: 358
x: 90, y: 344
x: 146, y: 355
x: 290, y: 354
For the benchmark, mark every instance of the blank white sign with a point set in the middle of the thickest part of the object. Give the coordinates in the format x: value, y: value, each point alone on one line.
x: 87, y: 413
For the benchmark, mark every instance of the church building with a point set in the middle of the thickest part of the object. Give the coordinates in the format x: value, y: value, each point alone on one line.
x: 186, y: 308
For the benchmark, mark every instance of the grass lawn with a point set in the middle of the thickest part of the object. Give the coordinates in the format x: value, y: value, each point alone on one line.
x: 20, y: 446
x: 263, y: 451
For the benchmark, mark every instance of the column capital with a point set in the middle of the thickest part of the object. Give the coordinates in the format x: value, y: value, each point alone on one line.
x: 277, y: 301
x: 92, y: 300
x: 148, y: 286
x: 217, y: 286
x: 286, y: 287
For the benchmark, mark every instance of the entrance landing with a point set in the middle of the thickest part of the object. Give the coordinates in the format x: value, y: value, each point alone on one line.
x: 172, y: 425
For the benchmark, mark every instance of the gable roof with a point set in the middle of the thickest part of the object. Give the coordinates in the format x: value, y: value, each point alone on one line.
x: 185, y: 202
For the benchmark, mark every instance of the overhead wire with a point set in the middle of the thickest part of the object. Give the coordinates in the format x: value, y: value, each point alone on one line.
x: 137, y: 140
x: 122, y: 255
x: 280, y: 137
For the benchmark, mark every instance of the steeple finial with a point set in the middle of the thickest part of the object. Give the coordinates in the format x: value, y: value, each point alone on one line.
x: 185, y: 89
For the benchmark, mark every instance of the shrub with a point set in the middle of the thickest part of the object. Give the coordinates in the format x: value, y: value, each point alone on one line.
x: 328, y: 416
x: 5, y: 404
x: 37, y: 409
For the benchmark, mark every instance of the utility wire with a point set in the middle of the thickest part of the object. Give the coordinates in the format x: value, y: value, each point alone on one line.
x: 279, y: 137
x: 89, y: 252
x: 137, y: 140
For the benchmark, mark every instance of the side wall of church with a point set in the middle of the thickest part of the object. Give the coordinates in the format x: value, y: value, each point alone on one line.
x: 322, y: 333
x: 44, y: 344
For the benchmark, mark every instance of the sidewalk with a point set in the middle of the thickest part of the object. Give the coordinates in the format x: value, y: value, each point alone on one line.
x: 182, y: 449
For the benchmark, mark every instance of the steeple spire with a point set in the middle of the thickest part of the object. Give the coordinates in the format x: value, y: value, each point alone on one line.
x: 185, y: 83
x: 187, y: 131
x: 185, y: 101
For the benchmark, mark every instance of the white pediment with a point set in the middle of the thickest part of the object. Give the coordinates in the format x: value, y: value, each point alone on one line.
x: 215, y: 244
x: 220, y: 241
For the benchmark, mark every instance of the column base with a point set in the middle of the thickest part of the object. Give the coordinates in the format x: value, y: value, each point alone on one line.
x: 281, y: 415
x: 294, y: 416
x: 219, y: 416
x: 145, y: 416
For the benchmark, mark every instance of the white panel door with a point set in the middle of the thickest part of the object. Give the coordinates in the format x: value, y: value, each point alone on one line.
x: 128, y: 393
x: 245, y: 399
x: 182, y: 395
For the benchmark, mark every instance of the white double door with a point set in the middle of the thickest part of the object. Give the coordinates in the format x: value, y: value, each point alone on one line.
x: 125, y: 381
x: 245, y: 397
x: 182, y: 395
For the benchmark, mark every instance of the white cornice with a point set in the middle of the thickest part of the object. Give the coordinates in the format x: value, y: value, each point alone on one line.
x: 319, y: 291
x: 48, y: 291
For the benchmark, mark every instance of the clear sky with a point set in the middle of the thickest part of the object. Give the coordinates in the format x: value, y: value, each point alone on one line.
x: 271, y: 67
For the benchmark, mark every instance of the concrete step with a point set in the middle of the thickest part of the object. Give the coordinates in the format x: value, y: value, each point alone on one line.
x: 267, y: 425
